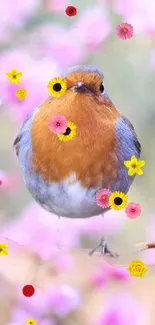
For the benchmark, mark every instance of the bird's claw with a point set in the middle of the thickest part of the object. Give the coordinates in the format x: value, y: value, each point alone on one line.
x: 104, y: 249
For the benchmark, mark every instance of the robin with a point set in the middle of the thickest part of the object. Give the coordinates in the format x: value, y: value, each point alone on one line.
x: 64, y: 176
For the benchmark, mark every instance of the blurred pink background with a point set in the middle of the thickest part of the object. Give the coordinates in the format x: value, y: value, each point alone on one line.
x: 40, y: 40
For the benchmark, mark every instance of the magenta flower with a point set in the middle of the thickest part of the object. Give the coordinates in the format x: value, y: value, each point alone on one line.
x: 124, y: 31
x: 121, y: 309
x: 58, y: 124
x: 107, y: 272
x: 63, y: 262
x: 133, y: 210
x: 115, y: 272
x: 62, y: 300
x: 95, y: 27
x: 8, y: 182
x: 15, y: 16
x: 63, y: 44
x: 139, y: 13
x: 102, y: 198
x: 98, y: 278
x: 20, y: 315
x: 56, y: 5
x: 41, y: 234
x: 36, y: 87
x: 34, y: 304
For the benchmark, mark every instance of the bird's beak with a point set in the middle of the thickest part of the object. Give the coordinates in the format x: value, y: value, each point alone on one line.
x: 80, y: 87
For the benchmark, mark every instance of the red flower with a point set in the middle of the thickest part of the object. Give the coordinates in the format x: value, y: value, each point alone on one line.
x: 71, y: 11
x: 28, y: 290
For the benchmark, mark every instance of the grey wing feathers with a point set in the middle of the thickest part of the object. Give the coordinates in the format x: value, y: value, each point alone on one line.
x: 136, y: 142
x: 16, y: 144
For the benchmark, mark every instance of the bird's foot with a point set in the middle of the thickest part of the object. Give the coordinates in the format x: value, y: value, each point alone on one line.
x: 105, y: 250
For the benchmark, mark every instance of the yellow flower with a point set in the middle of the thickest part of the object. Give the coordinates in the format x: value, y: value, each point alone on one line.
x: 56, y: 87
x: 137, y: 268
x: 21, y: 93
x: 134, y: 166
x: 3, y: 249
x: 118, y: 200
x: 70, y: 132
x: 14, y: 76
x: 30, y: 321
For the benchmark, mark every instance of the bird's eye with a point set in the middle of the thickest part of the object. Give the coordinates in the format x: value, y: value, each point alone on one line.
x: 101, y: 88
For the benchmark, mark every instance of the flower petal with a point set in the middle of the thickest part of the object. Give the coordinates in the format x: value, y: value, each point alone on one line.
x: 14, y: 71
x: 19, y: 74
x: 5, y: 245
x: 141, y: 163
x: 127, y: 163
x: 134, y: 160
x: 139, y: 171
x: 131, y: 171
x: 9, y: 74
x: 16, y: 81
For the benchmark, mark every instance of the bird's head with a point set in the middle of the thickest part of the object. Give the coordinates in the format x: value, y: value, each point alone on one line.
x: 86, y: 88
x: 85, y: 96
x: 86, y: 104
x: 85, y: 80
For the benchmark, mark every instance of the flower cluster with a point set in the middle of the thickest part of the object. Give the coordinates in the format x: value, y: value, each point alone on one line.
x: 14, y: 77
x: 55, y: 302
x: 118, y: 200
x: 65, y: 130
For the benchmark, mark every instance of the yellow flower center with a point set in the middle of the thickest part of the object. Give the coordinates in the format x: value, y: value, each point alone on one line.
x: 138, y: 268
x: 14, y: 76
x: 104, y: 197
x: 57, y: 87
x: 124, y: 30
x: 118, y: 200
x: 21, y: 93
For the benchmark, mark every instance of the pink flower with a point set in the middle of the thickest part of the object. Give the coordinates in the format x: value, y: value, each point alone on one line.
x: 35, y: 85
x: 62, y: 300
x: 63, y: 262
x: 115, y: 272
x: 102, y: 198
x: 94, y: 27
x: 56, y: 5
x: 107, y: 272
x: 121, y: 309
x: 8, y: 182
x: 20, y: 315
x: 139, y: 13
x: 124, y: 31
x: 34, y: 304
x: 15, y: 16
x: 64, y: 44
x: 58, y: 124
x: 98, y: 278
x: 133, y: 210
x: 44, y: 233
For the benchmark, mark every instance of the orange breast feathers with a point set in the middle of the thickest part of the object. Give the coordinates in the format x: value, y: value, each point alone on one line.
x: 90, y: 154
